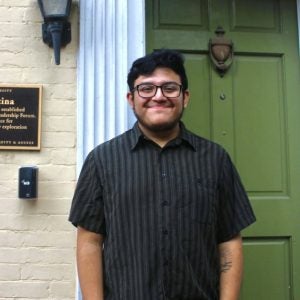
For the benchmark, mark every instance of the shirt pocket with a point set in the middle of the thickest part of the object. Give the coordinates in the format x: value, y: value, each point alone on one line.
x: 196, y: 201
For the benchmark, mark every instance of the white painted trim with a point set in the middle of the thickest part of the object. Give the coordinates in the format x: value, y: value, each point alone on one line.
x: 298, y: 14
x: 112, y: 35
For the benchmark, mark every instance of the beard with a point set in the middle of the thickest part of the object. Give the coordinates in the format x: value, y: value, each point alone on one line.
x: 163, y: 127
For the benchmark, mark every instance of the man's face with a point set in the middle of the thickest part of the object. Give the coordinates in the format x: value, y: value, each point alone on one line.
x: 158, y: 113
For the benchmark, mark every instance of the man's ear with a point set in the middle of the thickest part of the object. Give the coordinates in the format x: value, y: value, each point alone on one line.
x: 129, y: 97
x: 186, y: 98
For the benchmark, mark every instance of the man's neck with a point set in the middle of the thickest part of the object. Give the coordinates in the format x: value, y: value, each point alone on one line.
x: 162, y: 137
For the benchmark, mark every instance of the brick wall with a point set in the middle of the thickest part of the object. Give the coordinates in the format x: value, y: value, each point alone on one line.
x: 36, y: 241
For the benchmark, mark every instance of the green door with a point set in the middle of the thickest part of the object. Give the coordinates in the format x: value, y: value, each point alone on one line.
x: 254, y: 112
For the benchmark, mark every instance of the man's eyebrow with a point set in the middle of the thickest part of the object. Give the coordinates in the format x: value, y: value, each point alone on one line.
x: 164, y: 82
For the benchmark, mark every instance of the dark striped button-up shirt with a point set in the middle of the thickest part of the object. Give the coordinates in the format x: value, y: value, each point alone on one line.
x: 163, y: 212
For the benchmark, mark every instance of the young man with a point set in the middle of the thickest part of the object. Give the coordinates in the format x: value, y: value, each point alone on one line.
x: 158, y: 209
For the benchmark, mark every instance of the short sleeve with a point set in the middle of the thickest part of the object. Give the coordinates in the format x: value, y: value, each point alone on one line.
x: 234, y: 209
x: 87, y: 208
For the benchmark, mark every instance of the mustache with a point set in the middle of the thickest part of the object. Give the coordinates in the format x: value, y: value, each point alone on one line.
x: 160, y: 104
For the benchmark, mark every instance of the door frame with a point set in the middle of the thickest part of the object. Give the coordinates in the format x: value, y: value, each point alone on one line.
x: 92, y: 74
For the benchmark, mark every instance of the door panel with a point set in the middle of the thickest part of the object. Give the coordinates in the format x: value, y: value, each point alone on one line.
x: 193, y: 16
x: 258, y: 121
x: 260, y: 124
x: 265, y: 13
x: 265, y: 254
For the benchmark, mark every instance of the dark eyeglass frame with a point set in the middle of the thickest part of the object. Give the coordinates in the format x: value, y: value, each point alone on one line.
x: 136, y: 88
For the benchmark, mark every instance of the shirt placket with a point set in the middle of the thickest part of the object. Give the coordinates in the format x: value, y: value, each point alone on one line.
x: 164, y: 208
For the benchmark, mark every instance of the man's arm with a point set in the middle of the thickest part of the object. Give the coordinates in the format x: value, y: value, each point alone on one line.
x: 89, y: 264
x: 231, y: 268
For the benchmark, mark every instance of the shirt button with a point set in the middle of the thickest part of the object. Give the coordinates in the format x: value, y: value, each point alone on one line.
x: 165, y: 231
x: 163, y: 175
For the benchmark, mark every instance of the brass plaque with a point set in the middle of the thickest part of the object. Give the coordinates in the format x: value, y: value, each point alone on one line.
x: 20, y: 117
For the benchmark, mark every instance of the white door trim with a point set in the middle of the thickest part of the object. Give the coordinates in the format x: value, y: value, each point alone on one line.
x: 298, y: 14
x: 112, y: 35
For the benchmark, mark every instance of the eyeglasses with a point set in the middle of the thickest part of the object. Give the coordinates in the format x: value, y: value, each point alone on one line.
x: 149, y: 90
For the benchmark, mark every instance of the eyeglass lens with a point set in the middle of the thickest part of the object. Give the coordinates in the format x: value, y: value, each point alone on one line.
x: 170, y: 90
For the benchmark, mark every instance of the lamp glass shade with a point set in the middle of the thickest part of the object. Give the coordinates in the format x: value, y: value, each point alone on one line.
x: 55, y: 8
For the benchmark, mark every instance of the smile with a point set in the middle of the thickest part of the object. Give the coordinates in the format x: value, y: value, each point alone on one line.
x: 156, y: 105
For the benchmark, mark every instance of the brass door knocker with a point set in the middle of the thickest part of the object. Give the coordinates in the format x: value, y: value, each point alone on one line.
x: 221, y: 51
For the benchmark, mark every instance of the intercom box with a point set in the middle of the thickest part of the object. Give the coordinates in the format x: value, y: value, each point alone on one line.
x: 28, y: 177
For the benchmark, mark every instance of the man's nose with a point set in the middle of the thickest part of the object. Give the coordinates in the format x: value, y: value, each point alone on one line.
x: 159, y: 94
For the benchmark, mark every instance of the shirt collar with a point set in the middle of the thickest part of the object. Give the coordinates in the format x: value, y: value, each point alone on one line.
x: 185, y: 136
x: 136, y: 136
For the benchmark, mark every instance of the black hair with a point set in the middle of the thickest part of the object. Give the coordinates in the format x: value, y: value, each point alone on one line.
x: 164, y: 58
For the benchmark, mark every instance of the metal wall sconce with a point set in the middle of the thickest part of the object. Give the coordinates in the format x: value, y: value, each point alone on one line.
x: 56, y: 29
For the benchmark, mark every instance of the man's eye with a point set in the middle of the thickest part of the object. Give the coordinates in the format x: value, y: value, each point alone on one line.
x: 170, y: 88
x: 146, y: 89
